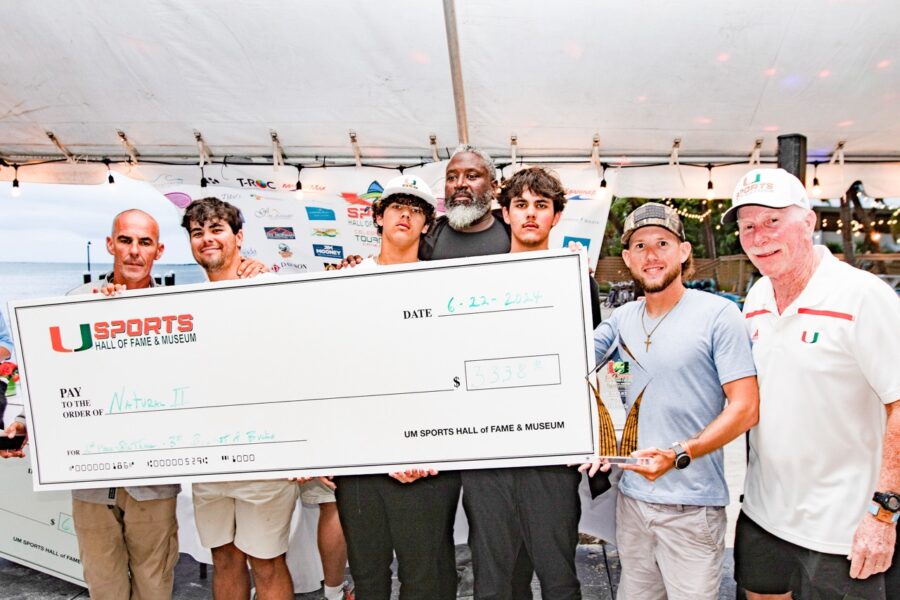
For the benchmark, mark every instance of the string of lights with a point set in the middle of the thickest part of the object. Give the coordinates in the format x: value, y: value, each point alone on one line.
x: 339, y: 162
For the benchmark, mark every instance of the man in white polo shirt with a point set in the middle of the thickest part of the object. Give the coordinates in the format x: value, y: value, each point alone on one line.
x: 820, y: 505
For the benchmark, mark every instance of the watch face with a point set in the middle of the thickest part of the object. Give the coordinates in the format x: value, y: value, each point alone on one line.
x: 682, y: 461
x: 893, y: 503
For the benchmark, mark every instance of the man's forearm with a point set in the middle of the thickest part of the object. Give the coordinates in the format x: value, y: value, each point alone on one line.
x: 889, y: 477
x: 741, y: 413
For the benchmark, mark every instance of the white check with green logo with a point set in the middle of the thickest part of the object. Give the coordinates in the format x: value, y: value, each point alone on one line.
x: 459, y: 364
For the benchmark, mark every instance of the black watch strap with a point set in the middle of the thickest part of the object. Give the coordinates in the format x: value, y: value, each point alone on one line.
x: 889, y: 501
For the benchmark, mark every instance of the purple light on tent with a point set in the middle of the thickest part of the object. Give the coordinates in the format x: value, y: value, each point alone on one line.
x: 703, y: 120
x: 846, y: 123
x: 791, y: 81
x: 883, y: 64
x: 723, y: 57
x: 179, y: 199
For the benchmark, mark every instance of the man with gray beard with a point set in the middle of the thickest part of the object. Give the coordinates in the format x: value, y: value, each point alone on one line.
x: 469, y: 227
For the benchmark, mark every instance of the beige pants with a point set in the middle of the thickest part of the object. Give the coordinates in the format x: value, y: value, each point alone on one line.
x: 672, y: 551
x: 140, y: 538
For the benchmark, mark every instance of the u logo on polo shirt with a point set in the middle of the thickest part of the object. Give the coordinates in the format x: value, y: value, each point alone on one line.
x: 809, y: 340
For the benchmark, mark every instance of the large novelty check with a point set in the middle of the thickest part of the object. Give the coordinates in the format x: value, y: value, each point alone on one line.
x: 458, y: 364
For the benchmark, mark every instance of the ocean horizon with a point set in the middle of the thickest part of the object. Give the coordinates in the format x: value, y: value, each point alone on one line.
x: 31, y: 280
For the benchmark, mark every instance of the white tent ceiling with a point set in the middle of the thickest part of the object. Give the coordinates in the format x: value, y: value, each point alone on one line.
x: 717, y: 74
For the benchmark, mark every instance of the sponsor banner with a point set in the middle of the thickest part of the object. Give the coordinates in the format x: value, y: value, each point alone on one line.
x: 140, y: 389
x: 335, y: 209
x: 587, y: 208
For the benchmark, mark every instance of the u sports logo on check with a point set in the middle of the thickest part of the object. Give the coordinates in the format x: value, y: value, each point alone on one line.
x: 805, y: 337
x: 86, y: 340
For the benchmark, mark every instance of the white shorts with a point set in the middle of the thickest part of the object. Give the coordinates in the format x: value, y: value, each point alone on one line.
x: 255, y: 515
x: 316, y: 492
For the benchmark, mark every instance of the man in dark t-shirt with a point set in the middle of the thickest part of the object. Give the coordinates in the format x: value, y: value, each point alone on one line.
x: 468, y: 228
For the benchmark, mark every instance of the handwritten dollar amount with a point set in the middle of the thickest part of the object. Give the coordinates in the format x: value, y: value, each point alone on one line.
x: 516, y: 371
x: 493, y: 302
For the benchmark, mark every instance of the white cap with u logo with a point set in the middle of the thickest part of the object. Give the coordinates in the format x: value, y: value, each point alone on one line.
x: 775, y: 188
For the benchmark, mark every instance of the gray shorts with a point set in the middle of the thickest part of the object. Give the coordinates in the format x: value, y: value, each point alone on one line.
x: 672, y: 551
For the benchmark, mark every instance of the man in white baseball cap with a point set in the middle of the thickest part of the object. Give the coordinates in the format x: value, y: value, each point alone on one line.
x: 395, y: 513
x: 775, y: 188
x: 821, y: 496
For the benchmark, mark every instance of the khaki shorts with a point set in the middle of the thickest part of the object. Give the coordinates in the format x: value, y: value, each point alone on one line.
x: 316, y: 492
x: 255, y: 515
x: 672, y: 551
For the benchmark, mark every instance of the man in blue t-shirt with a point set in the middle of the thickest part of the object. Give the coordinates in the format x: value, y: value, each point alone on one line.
x: 692, y: 371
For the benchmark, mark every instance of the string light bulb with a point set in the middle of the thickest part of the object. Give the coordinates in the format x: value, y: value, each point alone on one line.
x: 816, y: 190
x: 109, y: 175
x: 203, y: 182
x: 710, y: 192
x: 16, y: 191
x: 602, y: 175
x: 298, y: 190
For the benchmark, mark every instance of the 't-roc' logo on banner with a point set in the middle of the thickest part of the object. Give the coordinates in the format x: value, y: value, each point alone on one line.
x: 317, y: 213
x: 257, y: 183
x: 329, y: 251
x: 280, y: 233
x: 109, y: 330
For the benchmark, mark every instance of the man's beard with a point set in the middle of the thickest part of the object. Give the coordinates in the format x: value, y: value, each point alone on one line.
x: 461, y: 216
x: 668, y: 277
x: 212, y: 264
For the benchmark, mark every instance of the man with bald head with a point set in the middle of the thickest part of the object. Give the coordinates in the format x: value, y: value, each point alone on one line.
x: 127, y: 537
x: 822, y: 493
x: 135, y: 246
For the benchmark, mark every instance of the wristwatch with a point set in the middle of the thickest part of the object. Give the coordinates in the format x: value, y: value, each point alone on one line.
x: 682, y: 458
x: 888, y: 500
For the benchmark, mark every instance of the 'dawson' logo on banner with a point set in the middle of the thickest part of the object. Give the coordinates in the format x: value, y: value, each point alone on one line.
x: 166, y: 326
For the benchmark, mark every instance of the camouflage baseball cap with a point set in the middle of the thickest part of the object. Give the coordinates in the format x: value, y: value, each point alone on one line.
x: 653, y: 213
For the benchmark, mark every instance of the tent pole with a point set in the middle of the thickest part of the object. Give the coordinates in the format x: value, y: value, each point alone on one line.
x: 459, y: 94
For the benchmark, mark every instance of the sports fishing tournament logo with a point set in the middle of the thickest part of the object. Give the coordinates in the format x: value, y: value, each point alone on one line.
x: 361, y: 204
x: 619, y: 371
x: 131, y: 333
